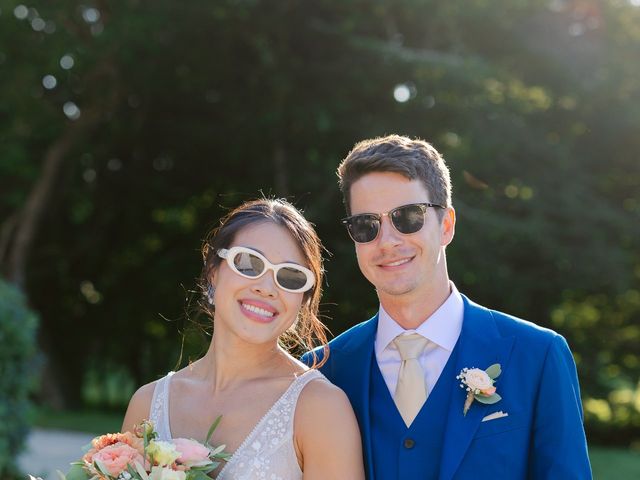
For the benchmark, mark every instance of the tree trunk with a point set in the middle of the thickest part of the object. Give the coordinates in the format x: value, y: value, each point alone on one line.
x: 19, y: 231
x: 31, y: 215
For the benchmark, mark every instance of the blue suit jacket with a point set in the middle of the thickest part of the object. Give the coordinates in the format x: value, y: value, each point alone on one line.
x: 541, y: 438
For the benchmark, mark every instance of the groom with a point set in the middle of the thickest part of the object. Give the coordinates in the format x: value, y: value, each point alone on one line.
x: 401, y: 368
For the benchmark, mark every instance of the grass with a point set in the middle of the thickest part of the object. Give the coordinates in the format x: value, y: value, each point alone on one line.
x: 607, y: 463
x: 79, y: 421
x: 614, y: 463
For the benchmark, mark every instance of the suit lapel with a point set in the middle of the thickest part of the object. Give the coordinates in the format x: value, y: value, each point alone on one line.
x: 355, y: 370
x: 480, y: 345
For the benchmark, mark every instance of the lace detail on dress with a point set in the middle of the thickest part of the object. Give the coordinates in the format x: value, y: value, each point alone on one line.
x: 159, y: 412
x: 268, y: 451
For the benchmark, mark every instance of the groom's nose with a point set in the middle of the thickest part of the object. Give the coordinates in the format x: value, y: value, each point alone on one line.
x: 388, y: 236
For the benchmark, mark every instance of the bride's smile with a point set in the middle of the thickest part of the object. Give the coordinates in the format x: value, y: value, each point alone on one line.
x: 256, y: 310
x: 261, y: 285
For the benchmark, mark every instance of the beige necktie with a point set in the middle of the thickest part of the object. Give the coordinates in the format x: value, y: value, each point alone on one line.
x: 411, y: 391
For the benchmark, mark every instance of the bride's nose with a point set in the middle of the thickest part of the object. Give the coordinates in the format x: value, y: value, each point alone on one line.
x: 265, y: 285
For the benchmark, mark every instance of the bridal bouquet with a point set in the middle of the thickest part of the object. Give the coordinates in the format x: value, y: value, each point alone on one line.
x: 139, y: 456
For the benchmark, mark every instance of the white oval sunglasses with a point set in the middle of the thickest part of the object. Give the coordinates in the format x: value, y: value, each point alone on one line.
x: 248, y: 263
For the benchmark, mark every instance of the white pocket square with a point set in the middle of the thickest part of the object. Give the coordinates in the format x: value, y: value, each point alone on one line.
x: 495, y: 415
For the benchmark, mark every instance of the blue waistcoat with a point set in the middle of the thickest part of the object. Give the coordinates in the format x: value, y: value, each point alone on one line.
x: 538, y: 435
x: 401, y: 452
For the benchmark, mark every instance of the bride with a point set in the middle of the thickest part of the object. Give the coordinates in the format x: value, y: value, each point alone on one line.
x: 262, y: 277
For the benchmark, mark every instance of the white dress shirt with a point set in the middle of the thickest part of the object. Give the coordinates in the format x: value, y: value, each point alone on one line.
x: 442, y: 329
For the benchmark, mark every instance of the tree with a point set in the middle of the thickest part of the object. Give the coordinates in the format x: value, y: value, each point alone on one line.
x: 189, y: 109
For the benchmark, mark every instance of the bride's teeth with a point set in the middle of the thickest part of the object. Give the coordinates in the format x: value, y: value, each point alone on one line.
x: 399, y: 262
x: 258, y: 310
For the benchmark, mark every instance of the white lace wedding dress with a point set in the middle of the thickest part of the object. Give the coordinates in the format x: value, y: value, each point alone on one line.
x: 267, y: 452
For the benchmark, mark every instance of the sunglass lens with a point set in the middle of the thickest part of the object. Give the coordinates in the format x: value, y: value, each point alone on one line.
x: 291, y: 278
x: 364, y: 228
x: 248, y: 264
x: 408, y: 219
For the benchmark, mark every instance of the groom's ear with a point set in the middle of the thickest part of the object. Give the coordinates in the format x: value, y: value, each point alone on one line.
x: 447, y: 226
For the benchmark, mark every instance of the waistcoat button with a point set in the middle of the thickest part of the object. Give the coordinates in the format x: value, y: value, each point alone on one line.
x: 409, y: 443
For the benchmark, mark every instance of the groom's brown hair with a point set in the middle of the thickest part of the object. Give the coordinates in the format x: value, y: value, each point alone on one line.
x: 411, y: 158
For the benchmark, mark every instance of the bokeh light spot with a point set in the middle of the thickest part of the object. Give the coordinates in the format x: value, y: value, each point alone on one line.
x: 429, y: 101
x: 50, y: 27
x: 89, y: 175
x: 91, y: 15
x: 49, y: 82
x: 89, y: 292
x: 71, y: 110
x: 38, y: 24
x: 452, y: 139
x: 114, y: 164
x: 21, y: 12
x: 67, y: 62
x: 511, y: 191
x: 401, y: 93
x: 526, y: 193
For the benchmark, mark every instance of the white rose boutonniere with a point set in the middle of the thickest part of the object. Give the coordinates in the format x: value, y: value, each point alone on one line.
x: 479, y: 385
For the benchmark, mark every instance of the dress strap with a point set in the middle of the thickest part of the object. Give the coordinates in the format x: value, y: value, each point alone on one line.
x: 301, y: 382
x: 159, y: 413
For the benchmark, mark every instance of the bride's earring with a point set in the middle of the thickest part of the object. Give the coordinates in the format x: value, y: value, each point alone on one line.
x: 210, y: 292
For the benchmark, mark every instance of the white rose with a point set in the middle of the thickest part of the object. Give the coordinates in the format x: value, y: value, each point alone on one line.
x: 160, y: 473
x: 477, y: 380
x: 164, y: 453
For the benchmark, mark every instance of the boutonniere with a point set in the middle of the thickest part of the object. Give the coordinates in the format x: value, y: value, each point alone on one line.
x: 479, y: 385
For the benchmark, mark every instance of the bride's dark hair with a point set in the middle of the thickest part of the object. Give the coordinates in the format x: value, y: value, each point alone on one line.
x: 308, y: 331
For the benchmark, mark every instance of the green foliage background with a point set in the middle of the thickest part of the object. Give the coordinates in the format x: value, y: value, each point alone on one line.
x: 186, y: 109
x: 17, y: 373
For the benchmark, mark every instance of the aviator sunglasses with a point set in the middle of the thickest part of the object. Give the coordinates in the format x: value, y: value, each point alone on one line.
x: 251, y: 264
x: 406, y: 219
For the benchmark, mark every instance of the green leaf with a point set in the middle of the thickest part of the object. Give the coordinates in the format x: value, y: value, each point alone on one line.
x: 197, y: 475
x: 213, y: 427
x: 494, y: 371
x: 495, y: 398
x: 209, y: 467
x: 101, y: 468
x: 141, y: 472
x: 134, y: 473
x: 146, y: 441
x: 218, y: 450
x: 77, y: 473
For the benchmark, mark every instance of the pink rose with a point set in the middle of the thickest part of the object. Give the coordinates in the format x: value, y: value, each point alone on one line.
x: 488, y: 391
x: 116, y: 457
x: 192, y: 453
x: 102, y: 441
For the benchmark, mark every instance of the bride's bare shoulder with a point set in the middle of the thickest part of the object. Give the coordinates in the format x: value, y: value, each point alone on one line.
x: 327, y: 434
x: 322, y: 405
x: 139, y: 406
x: 320, y: 394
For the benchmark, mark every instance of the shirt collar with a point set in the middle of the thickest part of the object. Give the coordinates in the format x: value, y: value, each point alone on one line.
x: 442, y: 327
